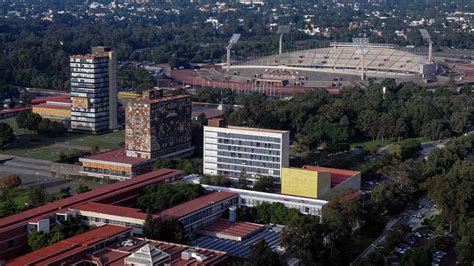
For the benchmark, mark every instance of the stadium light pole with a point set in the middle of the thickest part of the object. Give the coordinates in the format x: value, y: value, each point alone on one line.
x: 426, y: 36
x: 233, y: 40
x: 362, y: 48
x: 282, y: 29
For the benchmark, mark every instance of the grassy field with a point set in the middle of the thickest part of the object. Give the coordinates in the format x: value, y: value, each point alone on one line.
x: 20, y: 196
x: 49, y: 153
x: 41, y: 147
x: 111, y: 140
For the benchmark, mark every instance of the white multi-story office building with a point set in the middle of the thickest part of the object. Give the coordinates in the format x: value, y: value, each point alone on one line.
x: 229, y: 151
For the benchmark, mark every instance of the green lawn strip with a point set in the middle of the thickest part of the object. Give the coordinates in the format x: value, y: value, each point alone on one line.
x: 380, y: 143
x: 371, y: 144
x: 111, y: 140
x: 20, y: 196
x: 49, y: 153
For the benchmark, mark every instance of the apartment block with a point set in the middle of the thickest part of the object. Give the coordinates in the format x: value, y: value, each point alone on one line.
x: 231, y: 150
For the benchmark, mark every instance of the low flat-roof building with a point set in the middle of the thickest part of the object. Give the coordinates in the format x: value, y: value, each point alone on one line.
x: 57, y: 108
x: 115, y: 164
x: 201, y: 211
x: 110, y: 245
x: 318, y: 182
x: 224, y: 229
x: 250, y: 198
x: 14, y: 229
x: 243, y: 248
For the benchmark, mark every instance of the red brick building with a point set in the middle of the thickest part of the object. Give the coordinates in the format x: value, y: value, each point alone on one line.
x: 114, y: 245
x: 14, y: 229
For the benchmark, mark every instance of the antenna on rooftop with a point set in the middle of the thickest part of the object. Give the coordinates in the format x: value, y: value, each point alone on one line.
x: 362, y: 45
x: 233, y: 40
x: 282, y: 29
x: 426, y: 36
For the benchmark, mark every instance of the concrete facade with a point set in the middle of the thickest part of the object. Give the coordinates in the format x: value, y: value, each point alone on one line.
x: 258, y: 152
x: 318, y: 182
x: 107, y: 51
x: 305, y: 183
x: 89, y: 93
x: 158, y: 126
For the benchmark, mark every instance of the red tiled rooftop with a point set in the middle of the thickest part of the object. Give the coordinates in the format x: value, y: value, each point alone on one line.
x: 54, y: 98
x: 98, y: 194
x: 69, y: 246
x: 112, y: 210
x: 195, y: 205
x: 115, y: 255
x: 337, y: 175
x: 14, y: 110
x: 240, y: 229
x: 53, y: 106
x: 115, y: 156
x: 165, y: 98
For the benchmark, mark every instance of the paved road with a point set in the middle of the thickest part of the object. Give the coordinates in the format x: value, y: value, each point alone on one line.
x: 36, y: 172
x: 407, y: 217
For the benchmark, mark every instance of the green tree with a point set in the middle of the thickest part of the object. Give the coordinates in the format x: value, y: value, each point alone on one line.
x: 304, y: 238
x: 417, y: 257
x: 26, y: 98
x: 10, y: 182
x: 95, y: 149
x: 262, y: 254
x: 454, y: 191
x: 37, y: 240
x: 32, y: 121
x: 409, y: 149
x: 81, y: 188
x: 37, y: 196
x: 6, y: 135
x: 9, y: 206
x: 172, y: 231
x: 21, y: 118
x: 243, y: 183
x: 151, y: 227
x: 263, y: 184
x: 64, y: 192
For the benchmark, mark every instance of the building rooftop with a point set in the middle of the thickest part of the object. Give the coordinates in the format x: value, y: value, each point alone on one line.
x: 242, y: 248
x: 112, y: 210
x: 55, y: 98
x: 164, y: 98
x: 114, y: 156
x: 52, y: 106
x: 222, y: 228
x: 87, y: 56
x: 337, y: 175
x: 14, y: 110
x: 71, y: 245
x: 115, y: 255
x: 95, y: 195
x: 192, y: 206
x: 258, y: 129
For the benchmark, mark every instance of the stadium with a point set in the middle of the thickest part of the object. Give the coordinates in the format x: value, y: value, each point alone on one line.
x: 331, y: 68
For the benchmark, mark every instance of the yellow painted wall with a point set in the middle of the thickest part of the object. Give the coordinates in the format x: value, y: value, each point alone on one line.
x: 52, y: 112
x: 107, y: 167
x: 299, y: 182
x: 304, y: 183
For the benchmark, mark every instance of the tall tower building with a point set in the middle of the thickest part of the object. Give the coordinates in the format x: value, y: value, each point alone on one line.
x: 89, y: 93
x: 93, y: 91
x: 107, y: 51
x: 158, y: 126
